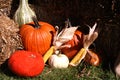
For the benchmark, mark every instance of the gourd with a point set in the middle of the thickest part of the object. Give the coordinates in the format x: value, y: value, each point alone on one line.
x: 25, y: 63
x: 24, y: 13
x: 92, y: 58
x: 76, y: 44
x: 37, y: 36
x: 58, y: 61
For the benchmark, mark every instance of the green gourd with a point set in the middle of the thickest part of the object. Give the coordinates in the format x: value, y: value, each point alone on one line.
x: 24, y: 13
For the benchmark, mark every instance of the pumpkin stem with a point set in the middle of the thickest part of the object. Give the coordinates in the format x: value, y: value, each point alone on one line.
x: 37, y: 25
x: 57, y: 51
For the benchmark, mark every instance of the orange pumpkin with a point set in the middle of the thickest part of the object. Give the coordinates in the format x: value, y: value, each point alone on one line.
x: 76, y: 44
x: 37, y: 36
x: 25, y: 63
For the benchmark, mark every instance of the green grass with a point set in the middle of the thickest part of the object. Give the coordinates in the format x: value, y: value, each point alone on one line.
x: 81, y: 72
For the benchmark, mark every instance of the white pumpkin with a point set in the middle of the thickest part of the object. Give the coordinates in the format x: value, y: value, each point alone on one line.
x: 58, y: 61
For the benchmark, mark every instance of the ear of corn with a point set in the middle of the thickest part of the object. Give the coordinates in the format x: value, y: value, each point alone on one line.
x: 48, y: 54
x: 78, y: 58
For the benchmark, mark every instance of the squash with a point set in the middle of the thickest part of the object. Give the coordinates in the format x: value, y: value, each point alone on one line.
x: 24, y: 13
x: 37, y: 36
x: 25, y: 63
x: 58, y: 61
x: 92, y: 58
x: 76, y: 44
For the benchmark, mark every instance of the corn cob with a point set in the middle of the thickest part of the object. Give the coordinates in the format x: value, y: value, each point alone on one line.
x: 78, y: 58
x: 48, y: 54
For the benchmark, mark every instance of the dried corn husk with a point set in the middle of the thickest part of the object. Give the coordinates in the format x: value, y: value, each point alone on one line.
x: 64, y: 36
x: 87, y: 41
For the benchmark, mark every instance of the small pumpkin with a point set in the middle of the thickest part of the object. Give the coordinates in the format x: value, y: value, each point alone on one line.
x: 58, y: 61
x: 25, y: 63
x: 37, y: 36
x: 76, y: 44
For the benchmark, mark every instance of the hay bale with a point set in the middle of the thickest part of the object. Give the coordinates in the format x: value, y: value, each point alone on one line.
x: 9, y: 37
x: 5, y: 6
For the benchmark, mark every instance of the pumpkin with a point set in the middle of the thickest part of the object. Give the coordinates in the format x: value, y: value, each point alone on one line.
x: 26, y: 63
x: 58, y: 61
x: 37, y: 36
x: 76, y: 45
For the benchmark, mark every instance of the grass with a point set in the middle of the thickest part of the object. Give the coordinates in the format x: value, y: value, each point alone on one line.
x: 81, y: 72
